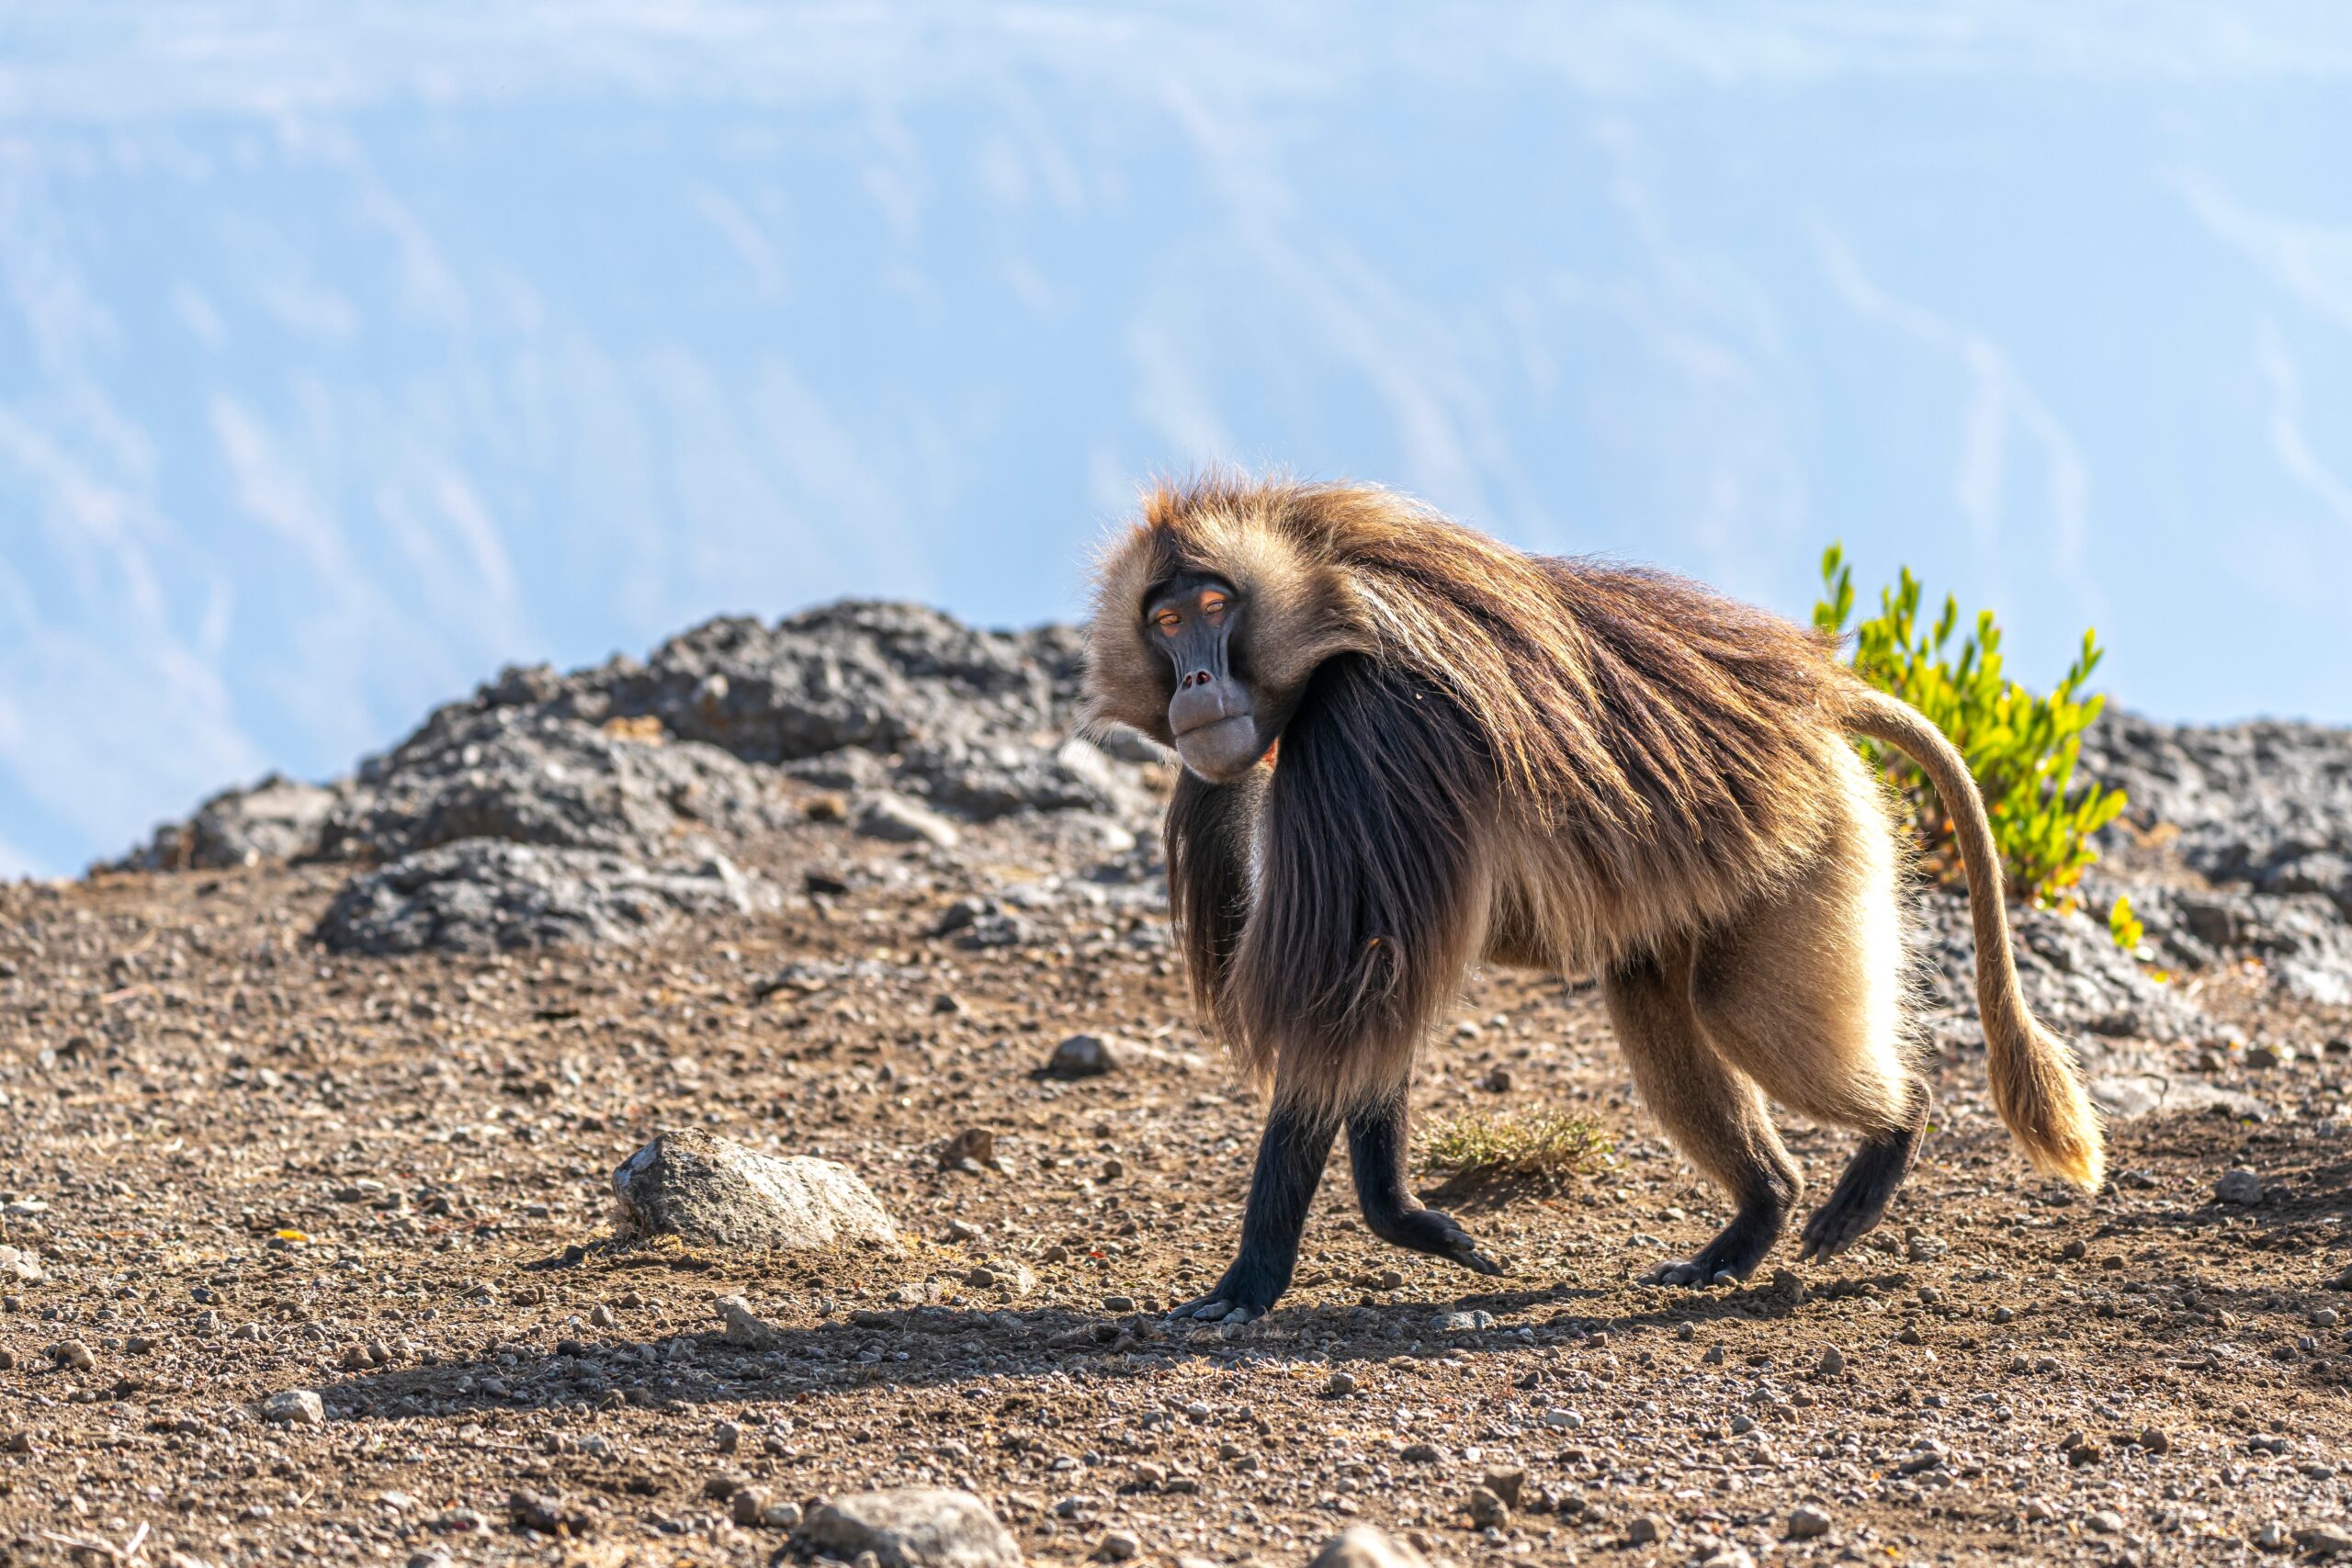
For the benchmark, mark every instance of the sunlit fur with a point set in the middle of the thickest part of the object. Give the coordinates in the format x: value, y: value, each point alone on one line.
x: 1551, y: 762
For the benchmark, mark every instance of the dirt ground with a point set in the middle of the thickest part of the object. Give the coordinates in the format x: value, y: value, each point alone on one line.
x: 245, y: 1169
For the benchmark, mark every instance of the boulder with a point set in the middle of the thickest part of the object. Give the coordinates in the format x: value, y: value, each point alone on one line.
x: 1366, y: 1546
x: 707, y: 1189
x: 915, y: 1527
x: 278, y: 818
x: 530, y: 776
x: 486, y: 895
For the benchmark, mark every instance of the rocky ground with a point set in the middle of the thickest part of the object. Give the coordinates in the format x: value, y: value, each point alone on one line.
x: 311, y: 1244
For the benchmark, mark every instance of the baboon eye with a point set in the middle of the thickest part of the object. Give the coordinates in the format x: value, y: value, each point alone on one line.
x: 1213, y: 606
x: 1168, y: 621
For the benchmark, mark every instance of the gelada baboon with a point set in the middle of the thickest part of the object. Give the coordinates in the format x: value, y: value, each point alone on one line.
x: 1408, y: 749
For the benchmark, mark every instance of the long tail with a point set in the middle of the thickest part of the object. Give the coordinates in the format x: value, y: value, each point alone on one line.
x: 2035, y: 1085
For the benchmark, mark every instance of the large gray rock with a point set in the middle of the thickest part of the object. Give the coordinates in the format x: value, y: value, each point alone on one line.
x: 2127, y: 1085
x: 486, y: 895
x: 533, y: 777
x: 1363, y: 1546
x: 21, y: 1268
x: 275, y: 819
x: 919, y: 1527
x: 696, y: 1185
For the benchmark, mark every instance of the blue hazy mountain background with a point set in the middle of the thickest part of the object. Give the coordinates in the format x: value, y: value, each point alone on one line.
x: 348, y: 351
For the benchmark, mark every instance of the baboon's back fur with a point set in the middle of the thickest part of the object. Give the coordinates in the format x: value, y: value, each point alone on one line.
x: 1541, y: 761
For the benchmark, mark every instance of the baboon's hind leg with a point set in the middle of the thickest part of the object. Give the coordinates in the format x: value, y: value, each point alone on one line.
x: 1711, y: 1110
x: 1804, y: 994
x: 1858, y: 1202
x: 1377, y: 1151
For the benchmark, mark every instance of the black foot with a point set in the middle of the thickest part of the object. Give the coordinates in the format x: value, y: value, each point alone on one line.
x: 1437, y: 1233
x: 1731, y: 1257
x: 1244, y: 1295
x: 1860, y: 1200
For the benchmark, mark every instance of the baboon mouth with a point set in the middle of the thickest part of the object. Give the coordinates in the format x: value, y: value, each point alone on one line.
x: 1211, y: 723
x: 1220, y: 747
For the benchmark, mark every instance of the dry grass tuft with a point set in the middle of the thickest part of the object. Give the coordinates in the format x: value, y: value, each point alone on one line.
x: 1547, y: 1145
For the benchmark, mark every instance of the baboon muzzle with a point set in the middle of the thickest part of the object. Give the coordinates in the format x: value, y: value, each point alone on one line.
x: 1210, y: 715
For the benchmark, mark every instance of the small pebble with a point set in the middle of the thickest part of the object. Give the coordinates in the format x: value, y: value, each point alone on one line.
x: 1807, y: 1524
x: 2240, y: 1186
x: 295, y: 1407
x: 1832, y: 1362
x: 1081, y: 1056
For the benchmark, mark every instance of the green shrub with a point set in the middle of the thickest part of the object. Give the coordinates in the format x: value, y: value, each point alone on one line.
x: 2021, y: 747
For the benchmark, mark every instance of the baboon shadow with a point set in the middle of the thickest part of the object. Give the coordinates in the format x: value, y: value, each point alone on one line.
x: 948, y: 1347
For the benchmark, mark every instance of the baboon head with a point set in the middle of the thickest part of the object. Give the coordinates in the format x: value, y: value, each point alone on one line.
x: 1210, y: 617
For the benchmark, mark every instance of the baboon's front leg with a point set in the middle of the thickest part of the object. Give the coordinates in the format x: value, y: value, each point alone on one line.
x: 1291, y: 1157
x: 1376, y: 1148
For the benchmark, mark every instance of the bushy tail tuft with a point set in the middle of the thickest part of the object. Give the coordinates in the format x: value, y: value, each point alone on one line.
x: 2036, y: 1086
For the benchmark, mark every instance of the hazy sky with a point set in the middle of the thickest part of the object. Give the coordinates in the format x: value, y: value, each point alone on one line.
x: 348, y: 351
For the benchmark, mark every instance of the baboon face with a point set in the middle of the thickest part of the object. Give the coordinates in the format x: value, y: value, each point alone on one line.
x: 1210, y: 620
x: 1197, y: 621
